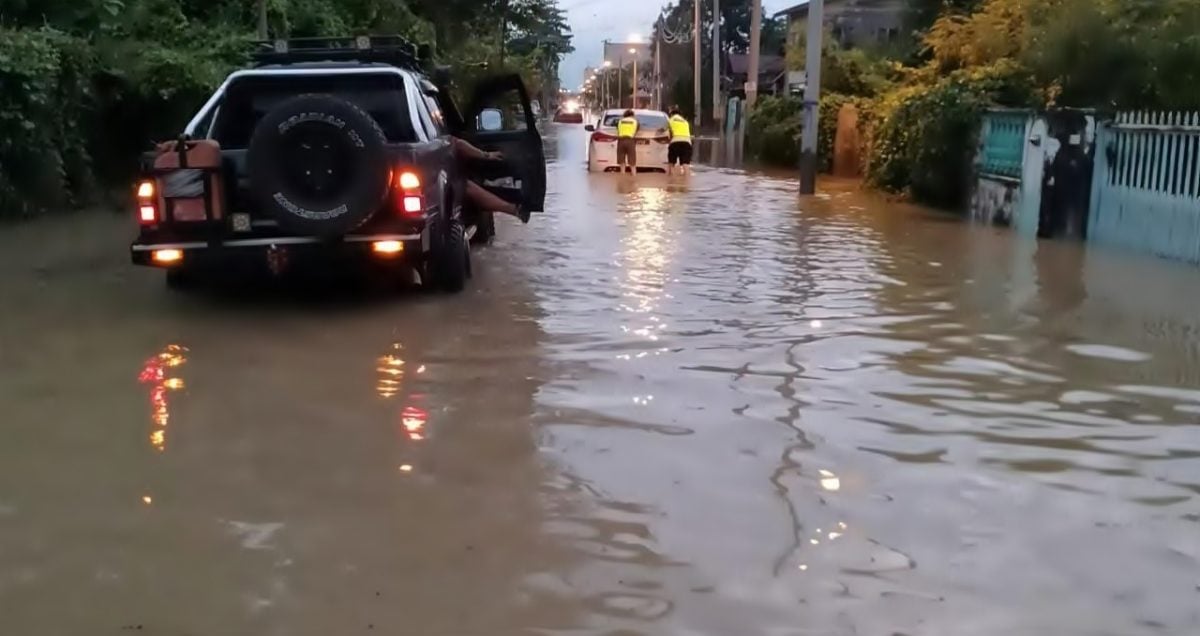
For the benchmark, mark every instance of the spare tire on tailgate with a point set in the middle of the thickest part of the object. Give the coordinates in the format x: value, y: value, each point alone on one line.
x: 318, y: 164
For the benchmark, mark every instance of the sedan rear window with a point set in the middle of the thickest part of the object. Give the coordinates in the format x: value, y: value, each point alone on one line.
x: 646, y: 121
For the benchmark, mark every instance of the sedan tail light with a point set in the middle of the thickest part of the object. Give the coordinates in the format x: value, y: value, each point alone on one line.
x: 663, y: 140
x: 603, y: 137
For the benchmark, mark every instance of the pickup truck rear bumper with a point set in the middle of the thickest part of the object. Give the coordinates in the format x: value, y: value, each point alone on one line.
x: 242, y: 250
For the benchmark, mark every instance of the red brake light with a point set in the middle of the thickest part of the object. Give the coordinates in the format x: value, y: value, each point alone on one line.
x: 408, y: 199
x: 409, y: 181
x: 147, y: 212
x: 602, y: 137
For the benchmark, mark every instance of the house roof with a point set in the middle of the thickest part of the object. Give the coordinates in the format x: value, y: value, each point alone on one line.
x: 739, y: 64
x: 800, y: 10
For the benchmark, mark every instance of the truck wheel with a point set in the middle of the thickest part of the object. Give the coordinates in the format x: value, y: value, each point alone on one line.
x: 485, y: 231
x: 449, y: 263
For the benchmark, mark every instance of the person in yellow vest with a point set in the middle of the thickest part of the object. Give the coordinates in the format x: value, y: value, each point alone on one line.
x: 680, y: 150
x: 627, y: 129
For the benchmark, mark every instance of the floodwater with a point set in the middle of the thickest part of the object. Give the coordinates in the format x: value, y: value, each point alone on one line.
x: 689, y: 406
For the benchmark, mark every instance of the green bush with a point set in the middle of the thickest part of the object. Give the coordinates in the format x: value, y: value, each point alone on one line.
x: 922, y: 136
x: 44, y: 159
x: 774, y: 129
x: 85, y: 86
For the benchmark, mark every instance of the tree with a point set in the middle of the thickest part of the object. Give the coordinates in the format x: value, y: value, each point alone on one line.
x: 101, y: 79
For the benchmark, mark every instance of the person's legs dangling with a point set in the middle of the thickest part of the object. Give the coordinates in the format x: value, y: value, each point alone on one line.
x: 486, y: 200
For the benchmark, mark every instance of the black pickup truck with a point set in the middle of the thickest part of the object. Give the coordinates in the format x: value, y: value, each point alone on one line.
x: 336, y: 150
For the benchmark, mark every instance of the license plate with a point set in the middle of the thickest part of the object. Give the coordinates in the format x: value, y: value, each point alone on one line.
x: 643, y: 142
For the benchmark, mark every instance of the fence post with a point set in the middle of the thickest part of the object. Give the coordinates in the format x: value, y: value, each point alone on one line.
x: 1099, y: 179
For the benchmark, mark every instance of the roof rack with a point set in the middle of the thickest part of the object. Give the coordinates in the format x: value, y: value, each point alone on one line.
x: 386, y: 49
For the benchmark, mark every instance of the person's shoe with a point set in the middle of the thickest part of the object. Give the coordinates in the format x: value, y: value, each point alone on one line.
x: 523, y: 214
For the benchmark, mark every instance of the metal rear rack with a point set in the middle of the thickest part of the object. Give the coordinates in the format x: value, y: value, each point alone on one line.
x: 386, y: 49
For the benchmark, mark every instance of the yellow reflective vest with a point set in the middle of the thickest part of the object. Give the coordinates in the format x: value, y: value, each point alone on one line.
x: 627, y: 127
x: 681, y: 130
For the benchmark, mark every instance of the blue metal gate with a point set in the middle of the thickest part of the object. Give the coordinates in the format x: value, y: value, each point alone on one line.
x: 1146, y: 188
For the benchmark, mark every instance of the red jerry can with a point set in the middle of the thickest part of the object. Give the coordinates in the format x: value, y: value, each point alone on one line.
x: 189, y: 173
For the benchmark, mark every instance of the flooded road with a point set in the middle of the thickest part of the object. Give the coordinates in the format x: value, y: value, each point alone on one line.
x: 668, y: 406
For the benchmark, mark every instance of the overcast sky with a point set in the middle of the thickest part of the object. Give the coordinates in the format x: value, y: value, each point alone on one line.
x: 593, y: 21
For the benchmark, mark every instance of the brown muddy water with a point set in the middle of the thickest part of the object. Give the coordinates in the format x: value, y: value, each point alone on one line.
x: 669, y: 406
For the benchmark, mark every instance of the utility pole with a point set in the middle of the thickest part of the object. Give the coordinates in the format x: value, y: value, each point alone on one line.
x: 635, y: 79
x: 718, y: 111
x: 263, y: 31
x: 696, y: 61
x: 604, y: 90
x: 755, y: 44
x: 658, y: 100
x: 620, y: 80
x: 607, y: 79
x: 812, y: 98
x: 607, y: 66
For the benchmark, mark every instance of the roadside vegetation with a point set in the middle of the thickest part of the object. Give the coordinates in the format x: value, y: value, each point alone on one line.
x: 920, y: 105
x: 86, y: 85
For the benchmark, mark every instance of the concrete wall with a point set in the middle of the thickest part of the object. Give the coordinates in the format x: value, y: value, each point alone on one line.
x: 995, y: 200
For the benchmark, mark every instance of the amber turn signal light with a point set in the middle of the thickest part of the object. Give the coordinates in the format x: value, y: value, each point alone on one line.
x: 387, y: 247
x: 167, y: 256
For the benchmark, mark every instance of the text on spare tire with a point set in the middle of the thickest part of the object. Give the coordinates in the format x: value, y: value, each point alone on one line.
x: 315, y: 215
x: 326, y: 118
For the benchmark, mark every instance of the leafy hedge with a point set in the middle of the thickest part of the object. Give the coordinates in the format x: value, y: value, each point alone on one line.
x: 45, y: 103
x: 923, y: 136
x: 919, y: 124
x: 774, y: 128
x: 85, y: 85
x: 79, y: 111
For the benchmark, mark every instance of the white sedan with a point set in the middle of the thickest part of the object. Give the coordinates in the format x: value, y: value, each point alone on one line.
x: 653, y: 137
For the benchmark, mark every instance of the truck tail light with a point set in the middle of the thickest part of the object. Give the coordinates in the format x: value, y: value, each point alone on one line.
x: 147, y: 210
x: 408, y: 198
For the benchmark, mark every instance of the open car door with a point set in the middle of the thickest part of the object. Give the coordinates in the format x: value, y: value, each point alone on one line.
x: 500, y: 117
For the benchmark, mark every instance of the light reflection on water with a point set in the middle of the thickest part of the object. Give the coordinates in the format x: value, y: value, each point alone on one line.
x: 161, y: 374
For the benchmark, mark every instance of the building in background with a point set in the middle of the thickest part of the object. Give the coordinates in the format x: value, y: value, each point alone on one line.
x: 851, y: 23
x: 772, y: 74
